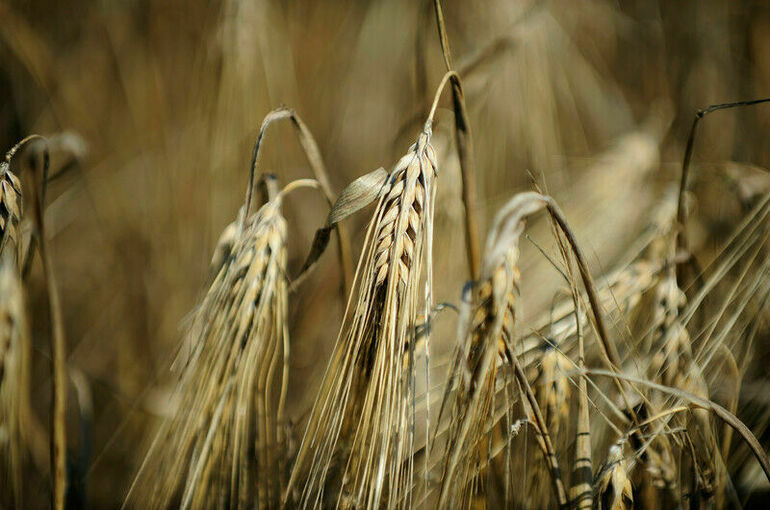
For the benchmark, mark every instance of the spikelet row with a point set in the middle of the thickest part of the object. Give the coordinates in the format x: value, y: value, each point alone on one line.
x: 356, y: 450
x: 219, y: 448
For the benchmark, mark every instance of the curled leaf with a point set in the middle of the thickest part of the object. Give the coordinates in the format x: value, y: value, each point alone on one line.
x: 357, y: 195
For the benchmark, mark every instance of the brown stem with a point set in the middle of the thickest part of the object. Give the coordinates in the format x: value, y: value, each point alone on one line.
x: 464, y: 141
x: 548, y: 450
x: 721, y: 413
x: 588, y: 282
x: 420, y: 70
x: 313, y: 155
x: 681, y: 210
x: 581, y: 493
x: 608, y: 347
x: 446, y: 51
x: 58, y: 346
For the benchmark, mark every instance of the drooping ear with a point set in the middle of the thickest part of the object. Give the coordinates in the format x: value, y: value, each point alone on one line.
x: 508, y: 226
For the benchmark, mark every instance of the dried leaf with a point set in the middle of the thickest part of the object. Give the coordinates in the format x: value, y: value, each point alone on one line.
x: 357, y: 195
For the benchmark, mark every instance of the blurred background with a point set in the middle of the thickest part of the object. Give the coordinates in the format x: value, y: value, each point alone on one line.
x: 155, y: 106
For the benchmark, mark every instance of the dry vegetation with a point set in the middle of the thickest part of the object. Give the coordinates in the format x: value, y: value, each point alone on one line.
x: 561, y: 294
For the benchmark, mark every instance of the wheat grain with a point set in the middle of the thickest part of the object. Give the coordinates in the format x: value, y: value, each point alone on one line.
x: 11, y: 204
x: 554, y: 390
x: 613, y: 485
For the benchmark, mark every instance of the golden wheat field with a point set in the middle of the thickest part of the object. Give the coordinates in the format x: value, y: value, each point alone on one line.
x: 384, y: 254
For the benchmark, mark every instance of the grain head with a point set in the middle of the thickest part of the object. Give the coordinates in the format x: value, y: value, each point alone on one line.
x: 612, y: 487
x: 224, y: 443
x: 486, y: 338
x: 357, y: 442
x: 554, y: 389
x: 10, y: 206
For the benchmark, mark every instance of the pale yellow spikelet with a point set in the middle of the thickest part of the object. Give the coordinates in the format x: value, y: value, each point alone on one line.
x: 10, y: 207
x: 225, y: 244
x: 671, y: 356
x: 356, y: 446
x: 492, y: 324
x: 612, y: 488
x: 488, y: 334
x: 225, y: 441
x: 672, y: 361
x: 554, y: 389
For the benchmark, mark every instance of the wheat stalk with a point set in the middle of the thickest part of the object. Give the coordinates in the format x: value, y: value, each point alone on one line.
x: 58, y: 342
x: 313, y: 154
x: 581, y: 490
x: 464, y: 140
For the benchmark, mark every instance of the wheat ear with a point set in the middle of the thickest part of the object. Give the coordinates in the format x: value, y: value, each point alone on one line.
x: 11, y: 203
x: 226, y: 440
x: 490, y: 336
x: 366, y: 398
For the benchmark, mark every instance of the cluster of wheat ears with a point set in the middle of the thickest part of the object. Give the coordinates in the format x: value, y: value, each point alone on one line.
x: 604, y: 404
